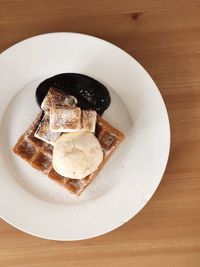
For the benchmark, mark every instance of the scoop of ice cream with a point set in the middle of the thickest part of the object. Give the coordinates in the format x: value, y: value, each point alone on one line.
x: 77, y: 154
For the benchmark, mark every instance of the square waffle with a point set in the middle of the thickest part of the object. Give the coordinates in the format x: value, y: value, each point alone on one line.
x: 44, y: 132
x: 65, y: 119
x: 39, y: 154
x: 88, y: 120
x: 56, y: 98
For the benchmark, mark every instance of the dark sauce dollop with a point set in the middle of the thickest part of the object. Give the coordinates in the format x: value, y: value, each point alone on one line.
x: 90, y: 93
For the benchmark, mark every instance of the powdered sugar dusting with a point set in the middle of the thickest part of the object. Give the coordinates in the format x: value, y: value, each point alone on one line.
x: 89, y: 118
x: 43, y: 131
x: 56, y: 98
x: 65, y: 119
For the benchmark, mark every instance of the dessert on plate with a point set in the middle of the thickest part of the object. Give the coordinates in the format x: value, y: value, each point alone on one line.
x: 66, y: 142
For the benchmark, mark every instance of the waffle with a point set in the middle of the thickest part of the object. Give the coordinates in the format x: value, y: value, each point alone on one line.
x: 44, y: 132
x: 71, y: 119
x: 88, y: 120
x: 65, y: 119
x: 56, y: 98
x: 39, y: 154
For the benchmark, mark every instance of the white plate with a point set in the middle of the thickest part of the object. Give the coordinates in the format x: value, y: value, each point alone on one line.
x: 32, y: 203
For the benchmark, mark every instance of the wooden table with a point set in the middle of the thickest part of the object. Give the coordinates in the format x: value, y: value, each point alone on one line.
x: 164, y: 36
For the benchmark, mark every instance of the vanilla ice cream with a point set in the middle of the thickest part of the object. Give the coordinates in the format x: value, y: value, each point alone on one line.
x: 77, y: 154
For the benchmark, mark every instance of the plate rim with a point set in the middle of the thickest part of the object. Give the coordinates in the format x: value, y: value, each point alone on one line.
x: 146, y: 73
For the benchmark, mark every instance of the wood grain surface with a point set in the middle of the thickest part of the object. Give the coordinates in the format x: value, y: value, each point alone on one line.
x: 164, y: 36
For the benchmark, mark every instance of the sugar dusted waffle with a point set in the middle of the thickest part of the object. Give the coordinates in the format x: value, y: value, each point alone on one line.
x: 44, y: 132
x: 65, y: 119
x: 56, y: 98
x: 39, y: 154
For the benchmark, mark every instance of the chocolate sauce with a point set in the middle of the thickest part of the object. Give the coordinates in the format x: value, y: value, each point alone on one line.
x: 90, y: 93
